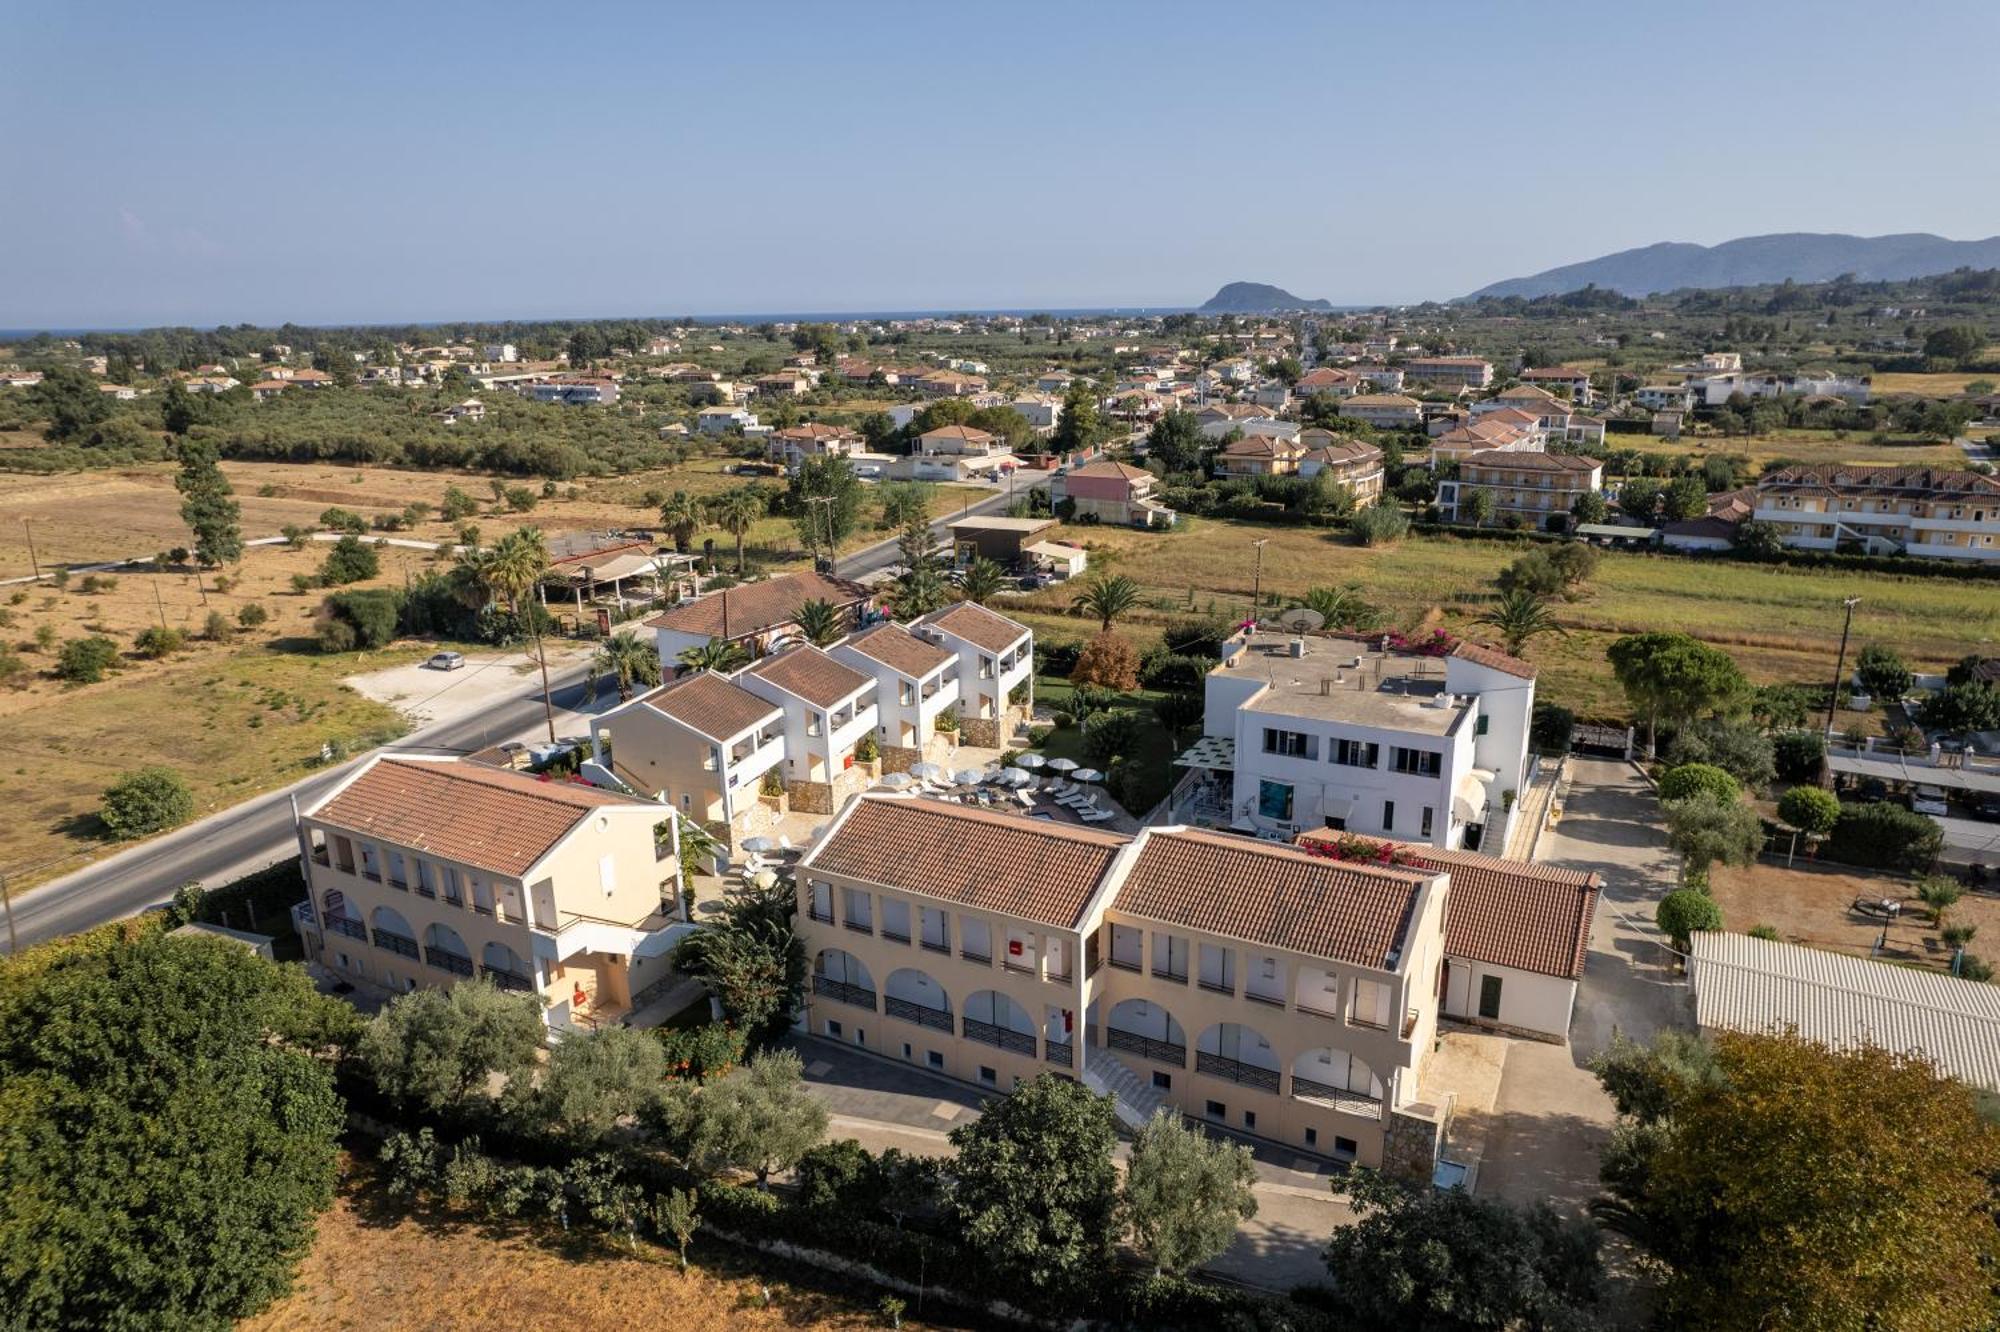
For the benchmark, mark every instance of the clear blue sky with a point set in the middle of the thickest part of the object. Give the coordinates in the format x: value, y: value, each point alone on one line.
x: 200, y: 163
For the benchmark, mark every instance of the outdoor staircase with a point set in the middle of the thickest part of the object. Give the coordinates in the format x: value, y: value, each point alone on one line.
x: 1134, y: 1098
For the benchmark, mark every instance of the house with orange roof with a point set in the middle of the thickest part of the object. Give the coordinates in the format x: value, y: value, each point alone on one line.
x: 1112, y: 492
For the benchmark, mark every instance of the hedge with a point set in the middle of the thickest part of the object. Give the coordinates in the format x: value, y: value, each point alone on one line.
x: 1881, y: 835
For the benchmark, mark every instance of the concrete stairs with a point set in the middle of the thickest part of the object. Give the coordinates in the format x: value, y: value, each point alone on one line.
x: 1133, y: 1097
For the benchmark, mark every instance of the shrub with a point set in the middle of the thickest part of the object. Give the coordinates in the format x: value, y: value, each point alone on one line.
x: 252, y: 615
x: 350, y: 561
x: 521, y: 499
x: 1881, y: 835
x: 1974, y: 706
x: 1765, y: 932
x: 700, y: 1053
x: 218, y: 628
x: 1809, y: 809
x: 1883, y: 674
x: 45, y: 637
x: 1200, y: 637
x: 303, y: 583
x: 84, y: 660
x: 1798, y: 755
x: 155, y: 642
x: 1057, y: 659
x: 343, y: 520
x: 1694, y: 778
x: 373, y: 612
x: 1108, y: 660
x: 1379, y: 525
x: 92, y: 584
x: 1684, y: 911
x: 1552, y: 729
x: 1110, y: 735
x: 147, y: 801
x: 457, y: 505
x: 1738, y: 748
x: 335, y: 635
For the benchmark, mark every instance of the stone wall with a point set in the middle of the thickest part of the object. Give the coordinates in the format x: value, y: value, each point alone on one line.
x: 810, y: 797
x: 895, y: 758
x: 1410, y: 1143
x: 982, y: 734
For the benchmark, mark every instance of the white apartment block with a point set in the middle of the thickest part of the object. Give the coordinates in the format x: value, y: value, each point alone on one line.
x: 1950, y: 515
x: 1449, y: 371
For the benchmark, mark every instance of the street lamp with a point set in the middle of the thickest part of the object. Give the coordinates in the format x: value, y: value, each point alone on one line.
x: 1257, y: 581
x: 1840, y: 663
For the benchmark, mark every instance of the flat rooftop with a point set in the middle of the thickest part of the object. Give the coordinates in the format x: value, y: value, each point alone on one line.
x: 1345, y: 680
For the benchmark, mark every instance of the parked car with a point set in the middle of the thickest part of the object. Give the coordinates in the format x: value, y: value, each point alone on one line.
x: 1987, y: 807
x: 1930, y: 800
x: 446, y: 661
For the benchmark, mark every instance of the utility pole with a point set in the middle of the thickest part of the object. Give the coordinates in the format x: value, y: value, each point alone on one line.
x: 160, y: 605
x: 1840, y: 663
x: 1257, y: 582
x: 33, y: 563
x: 6, y: 897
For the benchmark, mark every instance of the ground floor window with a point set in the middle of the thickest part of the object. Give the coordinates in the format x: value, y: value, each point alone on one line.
x: 1489, y: 998
x: 1346, y: 1148
x: 1250, y: 1119
x: 832, y: 1028
x: 1312, y: 1137
x: 1164, y: 1081
x: 1217, y: 1110
x: 1274, y: 801
x: 935, y: 1059
x: 987, y: 1075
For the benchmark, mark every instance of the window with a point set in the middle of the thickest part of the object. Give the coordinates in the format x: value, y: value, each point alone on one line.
x: 1371, y: 1004
x: 1355, y: 753
x: 1170, y: 957
x: 1346, y: 1148
x: 895, y: 919
x: 1489, y: 998
x: 822, y: 902
x: 1164, y: 1081
x: 988, y: 1076
x: 1424, y: 824
x: 1250, y: 1119
x: 1417, y: 762
x: 832, y: 1028
x: 1274, y: 801
x: 934, y: 1059
x: 1388, y: 816
x: 908, y: 1053
x: 857, y: 910
x: 1312, y: 1137
x: 1290, y: 744
x: 1217, y: 1110
x: 975, y: 939
x: 1480, y: 727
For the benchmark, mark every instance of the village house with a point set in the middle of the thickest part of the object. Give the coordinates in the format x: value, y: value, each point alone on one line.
x: 1112, y: 492
x: 1353, y: 463
x: 1386, y: 411
x: 996, y: 669
x: 1574, y: 382
x: 829, y: 708
x: 794, y: 444
x: 757, y: 616
x: 1259, y: 455
x: 916, y: 681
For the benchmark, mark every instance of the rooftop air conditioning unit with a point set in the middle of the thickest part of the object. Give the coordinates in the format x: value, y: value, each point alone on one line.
x: 1297, y: 647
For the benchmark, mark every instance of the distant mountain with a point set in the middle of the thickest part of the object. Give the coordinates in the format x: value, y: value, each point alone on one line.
x: 1257, y: 298
x: 1802, y: 256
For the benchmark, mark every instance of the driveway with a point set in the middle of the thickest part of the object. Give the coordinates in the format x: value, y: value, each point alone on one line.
x: 882, y: 1103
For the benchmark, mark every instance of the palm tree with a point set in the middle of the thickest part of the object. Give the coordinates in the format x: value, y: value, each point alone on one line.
x: 516, y: 566
x: 736, y: 512
x: 1343, y: 607
x: 820, y: 622
x: 714, y: 655
x: 1520, y: 616
x: 981, y: 579
x: 1107, y: 598
x: 682, y: 516
x: 628, y: 659
x: 472, y: 577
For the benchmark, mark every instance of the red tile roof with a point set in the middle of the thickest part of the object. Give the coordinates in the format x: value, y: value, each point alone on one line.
x: 1001, y: 863
x: 751, y: 608
x: 1494, y: 658
x: 1279, y: 896
x: 976, y: 625
x: 898, y: 649
x: 489, y: 818
x: 808, y: 673
x: 710, y: 704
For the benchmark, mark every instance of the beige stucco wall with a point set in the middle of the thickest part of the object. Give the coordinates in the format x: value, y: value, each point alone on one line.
x: 655, y: 750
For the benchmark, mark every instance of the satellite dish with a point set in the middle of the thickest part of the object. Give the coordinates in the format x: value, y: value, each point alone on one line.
x: 1302, y: 619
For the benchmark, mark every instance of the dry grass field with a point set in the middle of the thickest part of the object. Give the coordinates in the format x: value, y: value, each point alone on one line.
x: 1928, y: 385
x: 376, y: 1269
x: 1808, y: 904
x: 1780, y: 624
x: 1805, y: 446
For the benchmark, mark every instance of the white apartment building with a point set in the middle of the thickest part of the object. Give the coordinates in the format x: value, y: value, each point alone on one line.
x: 1309, y: 732
x: 1449, y: 371
x: 915, y: 679
x: 1388, y: 411
x: 996, y: 657
x: 426, y: 871
x: 1264, y: 987
x: 829, y: 706
x: 1951, y: 515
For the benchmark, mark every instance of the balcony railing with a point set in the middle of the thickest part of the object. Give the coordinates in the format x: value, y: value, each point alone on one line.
x: 1217, y: 987
x: 1410, y: 1023
x: 1163, y: 1052
x: 1330, y: 1011
x: 392, y: 942
x: 1006, y: 1038
x: 348, y: 926
x: 1349, y: 1102
x: 937, y: 946
x: 823, y: 917
x: 841, y: 991
x: 426, y: 891
x: 938, y: 1019
x: 974, y: 955
x: 1122, y: 964
x: 1235, y: 1070
x: 894, y: 936
x: 509, y: 980
x: 1018, y: 966
x: 859, y: 926
x: 1169, y: 974
x: 320, y: 857
x: 457, y: 963
x: 1059, y: 1052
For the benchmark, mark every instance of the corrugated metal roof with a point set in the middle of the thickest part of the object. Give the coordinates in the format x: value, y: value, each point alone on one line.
x: 1746, y: 984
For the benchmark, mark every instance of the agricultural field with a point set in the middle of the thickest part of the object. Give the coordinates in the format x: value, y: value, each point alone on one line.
x: 1805, y: 446
x: 375, y: 1267
x: 1780, y: 624
x: 1929, y: 385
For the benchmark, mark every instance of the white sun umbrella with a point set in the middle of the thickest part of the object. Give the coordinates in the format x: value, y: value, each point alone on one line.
x: 1062, y: 765
x: 927, y: 771
x: 896, y: 781
x: 765, y: 878
x: 1029, y: 761
x: 1017, y: 776
x: 969, y: 776
x: 1087, y: 775
x: 760, y: 844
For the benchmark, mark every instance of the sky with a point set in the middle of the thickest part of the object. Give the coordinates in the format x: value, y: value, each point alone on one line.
x: 195, y: 163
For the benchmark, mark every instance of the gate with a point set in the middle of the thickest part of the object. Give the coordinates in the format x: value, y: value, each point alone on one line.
x: 1602, y: 741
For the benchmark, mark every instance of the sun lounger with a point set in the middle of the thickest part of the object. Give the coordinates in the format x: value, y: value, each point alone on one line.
x: 1095, y: 815
x: 1026, y: 800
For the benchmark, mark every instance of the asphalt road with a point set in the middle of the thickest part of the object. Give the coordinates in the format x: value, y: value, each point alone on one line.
x: 259, y: 832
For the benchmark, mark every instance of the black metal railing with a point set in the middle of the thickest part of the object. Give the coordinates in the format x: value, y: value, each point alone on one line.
x: 1006, y: 1038
x: 508, y: 980
x: 823, y: 917
x: 1235, y: 1070
x: 939, y: 947
x: 1122, y: 964
x: 1217, y: 987
x: 1169, y: 974
x: 974, y: 955
x: 893, y: 937
x: 1059, y: 1052
x: 938, y: 1019
x: 1164, y: 1052
x: 859, y: 926
x: 444, y: 961
x: 1305, y: 1007
x: 1353, y: 1102
x: 320, y: 857
x: 859, y: 996
x: 348, y: 926
x: 482, y: 910
x: 424, y: 890
x: 396, y: 943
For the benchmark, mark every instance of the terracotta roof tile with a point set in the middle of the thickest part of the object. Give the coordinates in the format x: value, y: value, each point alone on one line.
x: 810, y: 674
x: 710, y: 704
x: 1115, y: 471
x: 1279, y: 896
x: 1494, y: 658
x: 976, y: 625
x: 751, y: 608
x: 1002, y: 863
x: 489, y: 818
x: 899, y: 650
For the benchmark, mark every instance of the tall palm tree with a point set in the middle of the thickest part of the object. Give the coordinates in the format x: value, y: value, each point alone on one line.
x: 516, y: 566
x: 1521, y: 616
x: 981, y: 579
x: 629, y: 660
x: 820, y: 622
x: 1107, y: 598
x: 714, y: 655
x: 682, y: 516
x: 736, y: 512
x: 1343, y: 607
x: 472, y: 577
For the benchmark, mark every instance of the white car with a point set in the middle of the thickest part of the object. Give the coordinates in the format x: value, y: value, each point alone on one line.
x: 1929, y: 800
x: 446, y: 661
